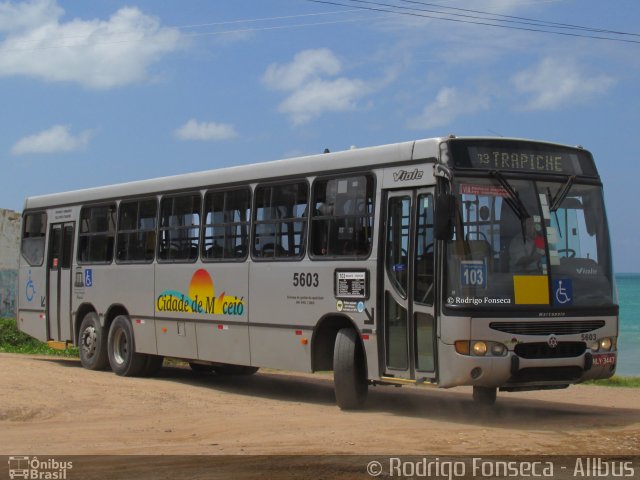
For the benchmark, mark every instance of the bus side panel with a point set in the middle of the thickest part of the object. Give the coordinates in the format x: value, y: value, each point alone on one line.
x: 201, y: 311
x: 223, y: 343
x: 176, y: 338
x: 129, y: 286
x: 31, y: 297
x: 132, y: 287
x: 279, y: 318
x: 224, y: 336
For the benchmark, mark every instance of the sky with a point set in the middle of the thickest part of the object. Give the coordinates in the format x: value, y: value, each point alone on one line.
x: 102, y: 92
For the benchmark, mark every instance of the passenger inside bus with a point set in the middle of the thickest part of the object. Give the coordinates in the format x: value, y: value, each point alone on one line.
x: 526, y: 249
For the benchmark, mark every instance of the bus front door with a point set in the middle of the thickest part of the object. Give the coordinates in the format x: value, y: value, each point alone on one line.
x: 409, y: 320
x: 59, y: 281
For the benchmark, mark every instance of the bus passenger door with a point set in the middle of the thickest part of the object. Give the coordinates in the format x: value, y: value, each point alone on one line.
x: 408, y: 312
x: 59, y: 280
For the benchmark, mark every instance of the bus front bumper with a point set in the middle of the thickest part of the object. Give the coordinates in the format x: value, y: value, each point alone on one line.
x: 511, y: 372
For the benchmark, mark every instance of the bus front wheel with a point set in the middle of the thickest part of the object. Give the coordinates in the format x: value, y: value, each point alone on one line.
x: 122, y: 349
x: 349, y: 370
x: 485, y: 395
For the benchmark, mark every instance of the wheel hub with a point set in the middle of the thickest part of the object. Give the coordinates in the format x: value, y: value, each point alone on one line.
x: 89, y: 341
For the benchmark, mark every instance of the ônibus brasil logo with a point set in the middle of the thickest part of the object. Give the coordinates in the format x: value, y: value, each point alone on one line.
x: 32, y: 468
x: 200, y: 299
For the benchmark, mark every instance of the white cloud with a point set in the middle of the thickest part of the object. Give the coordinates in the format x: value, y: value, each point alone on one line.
x: 54, y: 140
x: 308, y: 64
x: 28, y: 14
x: 449, y: 104
x: 194, y: 130
x: 311, y: 93
x: 98, y: 54
x: 554, y: 83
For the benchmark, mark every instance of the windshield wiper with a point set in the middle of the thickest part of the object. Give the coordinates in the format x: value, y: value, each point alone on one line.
x: 562, y: 193
x: 513, y: 199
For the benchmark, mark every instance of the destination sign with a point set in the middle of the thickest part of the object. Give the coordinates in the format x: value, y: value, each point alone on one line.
x: 523, y: 157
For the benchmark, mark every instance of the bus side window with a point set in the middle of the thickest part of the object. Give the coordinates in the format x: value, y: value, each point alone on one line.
x: 179, y: 228
x: 226, y: 224
x: 33, y: 238
x: 97, y: 234
x: 280, y: 221
x: 342, y: 217
x: 137, y: 231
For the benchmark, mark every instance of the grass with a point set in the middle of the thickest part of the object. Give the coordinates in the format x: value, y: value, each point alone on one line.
x: 616, y: 381
x: 14, y: 341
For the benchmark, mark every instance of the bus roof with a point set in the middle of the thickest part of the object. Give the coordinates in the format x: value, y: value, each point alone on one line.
x: 250, y: 173
x: 353, y: 159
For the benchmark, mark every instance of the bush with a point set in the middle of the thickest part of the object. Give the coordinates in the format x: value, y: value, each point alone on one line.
x: 14, y: 341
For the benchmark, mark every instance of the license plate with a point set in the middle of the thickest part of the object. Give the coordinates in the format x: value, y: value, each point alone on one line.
x: 604, y: 359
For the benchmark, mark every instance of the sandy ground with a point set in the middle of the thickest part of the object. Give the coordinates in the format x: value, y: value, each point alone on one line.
x: 54, y: 406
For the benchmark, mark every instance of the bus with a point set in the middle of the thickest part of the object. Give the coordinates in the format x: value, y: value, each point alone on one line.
x: 444, y: 262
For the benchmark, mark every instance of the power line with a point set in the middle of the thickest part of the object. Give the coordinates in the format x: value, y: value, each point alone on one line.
x: 115, y: 33
x: 533, y: 20
x: 193, y: 35
x: 190, y: 35
x: 474, y: 20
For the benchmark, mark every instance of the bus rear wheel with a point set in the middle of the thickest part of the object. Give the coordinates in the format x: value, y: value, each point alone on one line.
x: 349, y: 370
x: 122, y: 349
x: 92, y: 340
x: 485, y: 395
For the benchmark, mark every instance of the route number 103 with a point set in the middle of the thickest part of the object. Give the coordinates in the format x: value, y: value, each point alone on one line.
x: 473, y: 274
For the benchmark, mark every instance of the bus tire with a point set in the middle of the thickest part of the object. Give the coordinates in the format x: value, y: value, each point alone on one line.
x: 234, y: 370
x: 123, y: 358
x: 152, y: 365
x: 92, y: 343
x: 349, y: 370
x: 485, y: 395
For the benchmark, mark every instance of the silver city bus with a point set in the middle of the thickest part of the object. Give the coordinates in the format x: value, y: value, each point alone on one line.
x: 446, y: 261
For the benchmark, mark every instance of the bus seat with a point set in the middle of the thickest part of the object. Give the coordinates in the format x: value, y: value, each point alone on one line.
x: 479, y: 249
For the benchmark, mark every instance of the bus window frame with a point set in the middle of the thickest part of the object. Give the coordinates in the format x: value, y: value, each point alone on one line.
x: 45, y: 236
x: 137, y: 200
x: 79, y: 234
x: 159, y: 229
x: 204, y: 225
x: 254, y: 222
x: 371, y: 176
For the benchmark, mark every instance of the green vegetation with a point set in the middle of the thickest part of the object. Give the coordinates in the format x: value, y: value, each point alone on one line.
x: 14, y: 341
x: 616, y: 381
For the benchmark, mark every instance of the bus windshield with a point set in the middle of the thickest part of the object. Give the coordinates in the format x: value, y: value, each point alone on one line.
x: 528, y: 242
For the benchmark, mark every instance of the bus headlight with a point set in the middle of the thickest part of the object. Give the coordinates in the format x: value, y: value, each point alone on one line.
x: 595, y: 346
x: 479, y: 348
x: 605, y: 344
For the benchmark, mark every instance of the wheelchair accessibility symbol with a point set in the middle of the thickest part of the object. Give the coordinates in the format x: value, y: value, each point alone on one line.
x: 563, y: 292
x: 30, y: 289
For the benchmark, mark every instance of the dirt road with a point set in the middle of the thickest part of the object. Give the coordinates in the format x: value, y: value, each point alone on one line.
x: 54, y: 406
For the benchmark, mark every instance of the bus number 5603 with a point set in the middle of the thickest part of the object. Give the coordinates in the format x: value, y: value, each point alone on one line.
x: 306, y: 280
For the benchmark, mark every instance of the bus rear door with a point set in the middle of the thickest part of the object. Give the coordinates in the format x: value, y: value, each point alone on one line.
x: 59, y: 281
